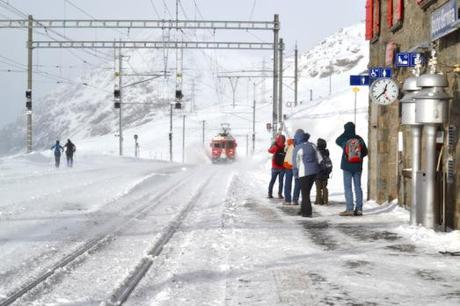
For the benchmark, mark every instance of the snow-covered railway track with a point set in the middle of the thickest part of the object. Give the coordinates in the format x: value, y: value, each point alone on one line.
x: 122, y: 293
x: 92, y: 245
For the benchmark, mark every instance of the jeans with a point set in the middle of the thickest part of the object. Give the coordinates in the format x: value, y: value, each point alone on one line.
x: 347, y: 178
x: 275, y: 174
x: 57, y: 160
x: 306, y: 183
x: 69, y: 160
x: 288, y: 185
x: 296, y: 194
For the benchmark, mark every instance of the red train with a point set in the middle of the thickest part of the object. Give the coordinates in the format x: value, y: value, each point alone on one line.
x: 223, y: 146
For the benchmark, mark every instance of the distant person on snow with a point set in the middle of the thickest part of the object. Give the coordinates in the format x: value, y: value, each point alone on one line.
x: 70, y: 149
x: 288, y: 171
x: 306, y: 161
x: 58, y: 149
x: 277, y: 149
x: 354, y: 150
x: 325, y: 169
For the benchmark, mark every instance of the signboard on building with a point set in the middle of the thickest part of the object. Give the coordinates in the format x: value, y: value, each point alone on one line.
x: 379, y: 72
x: 406, y: 59
x: 444, y: 20
x: 359, y: 80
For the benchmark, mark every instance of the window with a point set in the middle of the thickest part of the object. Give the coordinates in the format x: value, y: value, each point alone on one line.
x: 372, y: 20
x: 395, y: 14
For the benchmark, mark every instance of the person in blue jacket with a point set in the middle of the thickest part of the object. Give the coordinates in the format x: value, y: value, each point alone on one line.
x: 57, y: 149
x: 354, y: 150
x: 305, y: 161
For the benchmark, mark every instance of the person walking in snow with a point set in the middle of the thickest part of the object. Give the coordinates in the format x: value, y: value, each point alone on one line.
x: 305, y: 160
x: 288, y: 171
x: 354, y: 150
x: 325, y: 169
x: 70, y: 149
x: 57, y: 149
x: 277, y: 149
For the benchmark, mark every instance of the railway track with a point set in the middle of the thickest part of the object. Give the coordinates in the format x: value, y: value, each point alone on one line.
x: 122, y: 293
x: 90, y: 245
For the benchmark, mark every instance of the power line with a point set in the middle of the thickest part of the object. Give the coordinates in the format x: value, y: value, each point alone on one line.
x: 155, y: 9
x: 251, y: 14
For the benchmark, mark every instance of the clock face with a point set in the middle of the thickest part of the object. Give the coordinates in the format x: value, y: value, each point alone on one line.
x: 384, y: 91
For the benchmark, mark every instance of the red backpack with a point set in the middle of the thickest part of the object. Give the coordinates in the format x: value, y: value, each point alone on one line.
x: 353, y: 151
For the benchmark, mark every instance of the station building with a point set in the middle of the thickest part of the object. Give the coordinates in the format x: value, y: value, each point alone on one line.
x: 394, y: 26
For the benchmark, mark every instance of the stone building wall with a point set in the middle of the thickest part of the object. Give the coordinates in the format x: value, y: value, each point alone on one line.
x: 386, y: 181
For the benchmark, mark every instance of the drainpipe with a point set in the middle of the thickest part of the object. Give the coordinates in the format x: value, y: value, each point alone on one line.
x: 410, y: 90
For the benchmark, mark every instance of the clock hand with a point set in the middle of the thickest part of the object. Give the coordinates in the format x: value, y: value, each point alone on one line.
x: 384, y: 91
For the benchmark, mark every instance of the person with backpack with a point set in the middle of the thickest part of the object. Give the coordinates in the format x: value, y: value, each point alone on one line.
x: 353, y: 152
x: 277, y: 149
x: 70, y: 149
x: 305, y: 162
x: 325, y: 169
x: 288, y: 171
x: 57, y: 149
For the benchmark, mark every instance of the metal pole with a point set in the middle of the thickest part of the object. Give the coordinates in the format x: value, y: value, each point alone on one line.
x: 29, y: 83
x: 330, y: 84
x: 416, y: 162
x: 171, y: 132
x: 428, y: 213
x: 120, y: 85
x: 254, y: 120
x: 275, y: 75
x: 247, y: 145
x: 193, y: 96
x: 280, y: 103
x: 183, y: 138
x: 296, y: 75
x: 356, y: 102
x: 204, y: 123
x: 311, y: 95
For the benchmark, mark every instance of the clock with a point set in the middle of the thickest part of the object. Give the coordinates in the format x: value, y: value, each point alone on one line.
x: 384, y: 91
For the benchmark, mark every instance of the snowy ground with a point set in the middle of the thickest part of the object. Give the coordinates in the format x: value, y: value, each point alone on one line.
x: 231, y: 247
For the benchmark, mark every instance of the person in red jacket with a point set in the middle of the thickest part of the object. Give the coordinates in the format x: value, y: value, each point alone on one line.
x: 277, y: 149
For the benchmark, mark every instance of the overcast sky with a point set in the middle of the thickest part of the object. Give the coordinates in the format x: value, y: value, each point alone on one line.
x: 306, y: 22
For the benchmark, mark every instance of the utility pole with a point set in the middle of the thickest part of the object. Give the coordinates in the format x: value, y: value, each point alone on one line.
x: 29, y: 83
x: 170, y: 132
x: 192, y: 108
x: 183, y: 138
x: 296, y: 74
x: 280, y: 103
x: 120, y: 84
x: 311, y: 95
x: 247, y: 145
x: 264, y: 85
x: 234, y: 86
x: 203, y: 126
x: 254, y: 120
x: 276, y: 30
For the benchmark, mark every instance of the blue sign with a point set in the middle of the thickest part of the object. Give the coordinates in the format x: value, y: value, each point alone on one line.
x: 379, y: 72
x: 359, y: 80
x: 403, y: 59
x: 444, y: 20
x: 406, y: 59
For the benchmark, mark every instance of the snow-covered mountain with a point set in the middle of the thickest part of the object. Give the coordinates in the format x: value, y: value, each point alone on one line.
x: 84, y: 109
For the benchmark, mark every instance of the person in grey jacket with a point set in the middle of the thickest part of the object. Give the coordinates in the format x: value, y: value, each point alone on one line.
x: 305, y: 161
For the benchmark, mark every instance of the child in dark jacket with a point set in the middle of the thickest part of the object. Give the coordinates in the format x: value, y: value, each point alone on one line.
x: 322, y: 193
